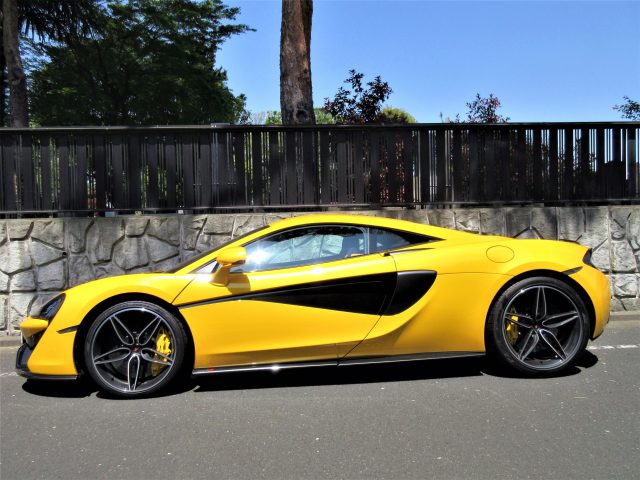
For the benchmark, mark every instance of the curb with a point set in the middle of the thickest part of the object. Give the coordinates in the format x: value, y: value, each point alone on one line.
x: 628, y: 316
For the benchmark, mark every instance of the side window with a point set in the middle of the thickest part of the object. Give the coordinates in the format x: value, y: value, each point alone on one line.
x: 381, y: 240
x: 304, y: 246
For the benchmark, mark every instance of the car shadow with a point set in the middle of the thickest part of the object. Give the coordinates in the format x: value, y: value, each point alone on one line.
x: 318, y: 376
x: 60, y: 389
x: 380, y: 373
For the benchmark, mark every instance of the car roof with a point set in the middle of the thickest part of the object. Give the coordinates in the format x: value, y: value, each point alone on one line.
x: 370, y: 220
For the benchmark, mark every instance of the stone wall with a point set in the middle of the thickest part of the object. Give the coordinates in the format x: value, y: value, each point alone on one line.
x: 41, y: 257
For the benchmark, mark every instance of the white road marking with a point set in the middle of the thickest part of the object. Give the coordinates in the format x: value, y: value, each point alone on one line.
x: 611, y: 347
x: 8, y: 374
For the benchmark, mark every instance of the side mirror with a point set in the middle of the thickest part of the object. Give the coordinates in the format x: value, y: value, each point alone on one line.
x: 229, y: 257
x: 232, y: 257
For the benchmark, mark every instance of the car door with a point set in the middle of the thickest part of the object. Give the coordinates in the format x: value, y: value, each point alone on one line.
x: 304, y: 294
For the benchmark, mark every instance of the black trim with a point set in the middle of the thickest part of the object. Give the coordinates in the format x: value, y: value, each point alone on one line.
x: 69, y: 329
x: 571, y: 271
x: 410, y: 287
x: 368, y: 294
x: 273, y: 367
x: 413, y: 357
x: 345, y: 362
x: 22, y: 357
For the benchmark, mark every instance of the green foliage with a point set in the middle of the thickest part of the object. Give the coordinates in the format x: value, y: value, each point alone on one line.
x: 358, y: 104
x: 629, y: 110
x: 274, y: 117
x: 57, y: 19
x: 484, y: 110
x: 148, y: 62
x: 393, y: 115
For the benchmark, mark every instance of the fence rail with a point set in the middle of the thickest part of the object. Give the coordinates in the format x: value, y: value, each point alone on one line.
x: 97, y: 169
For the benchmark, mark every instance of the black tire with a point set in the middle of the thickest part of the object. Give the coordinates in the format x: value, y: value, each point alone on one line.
x: 537, y: 326
x: 134, y: 349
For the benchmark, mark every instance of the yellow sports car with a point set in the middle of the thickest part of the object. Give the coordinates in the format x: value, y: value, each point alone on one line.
x: 325, y: 290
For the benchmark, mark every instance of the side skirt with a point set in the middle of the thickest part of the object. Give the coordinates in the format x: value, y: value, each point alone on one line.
x: 275, y: 367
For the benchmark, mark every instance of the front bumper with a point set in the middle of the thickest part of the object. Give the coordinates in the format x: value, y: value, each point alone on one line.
x: 24, y: 353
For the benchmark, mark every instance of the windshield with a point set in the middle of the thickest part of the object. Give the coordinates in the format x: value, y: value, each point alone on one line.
x: 197, y: 257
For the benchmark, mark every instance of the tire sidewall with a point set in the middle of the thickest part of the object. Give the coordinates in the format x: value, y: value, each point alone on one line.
x: 179, y: 348
x: 495, y: 326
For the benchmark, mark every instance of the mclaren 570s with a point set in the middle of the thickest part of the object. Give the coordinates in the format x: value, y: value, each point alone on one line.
x: 324, y: 290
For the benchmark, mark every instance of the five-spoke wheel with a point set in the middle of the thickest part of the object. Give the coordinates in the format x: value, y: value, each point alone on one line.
x: 134, y: 348
x: 538, y: 325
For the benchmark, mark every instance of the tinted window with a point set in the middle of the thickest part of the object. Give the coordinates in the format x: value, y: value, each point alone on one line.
x: 381, y: 240
x: 304, y: 246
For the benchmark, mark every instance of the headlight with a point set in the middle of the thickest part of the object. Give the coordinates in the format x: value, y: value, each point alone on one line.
x: 49, y: 309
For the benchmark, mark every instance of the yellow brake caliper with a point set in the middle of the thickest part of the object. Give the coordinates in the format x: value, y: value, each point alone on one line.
x: 512, y: 329
x: 163, y: 346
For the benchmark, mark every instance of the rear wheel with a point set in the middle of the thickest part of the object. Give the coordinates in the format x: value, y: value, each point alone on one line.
x: 538, y: 325
x: 134, y: 348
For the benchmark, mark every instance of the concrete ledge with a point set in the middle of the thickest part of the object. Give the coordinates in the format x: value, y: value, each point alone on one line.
x: 10, y: 341
x: 628, y: 316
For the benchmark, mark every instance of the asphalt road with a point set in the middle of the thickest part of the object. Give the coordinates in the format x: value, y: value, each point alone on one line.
x: 437, y: 419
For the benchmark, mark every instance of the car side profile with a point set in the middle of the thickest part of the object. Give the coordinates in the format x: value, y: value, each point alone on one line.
x: 324, y: 290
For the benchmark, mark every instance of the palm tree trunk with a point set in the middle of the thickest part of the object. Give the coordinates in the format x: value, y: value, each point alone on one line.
x: 296, y: 101
x: 15, y: 72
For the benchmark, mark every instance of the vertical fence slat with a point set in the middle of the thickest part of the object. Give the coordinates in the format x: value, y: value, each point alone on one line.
x: 64, y: 192
x: 325, y: 168
x: 458, y: 170
x: 583, y: 176
x: 408, y: 166
x: 100, y: 170
x: 475, y: 178
x: 504, y: 164
x: 521, y: 166
x: 9, y: 152
x: 568, y: 164
x: 358, y: 167
x: 342, y: 153
x: 275, y: 168
x: 441, y: 166
x: 47, y: 199
x: 170, y: 165
x: 491, y: 169
x: 309, y: 169
x: 239, y: 169
x: 601, y: 189
x: 632, y: 163
x: 81, y: 173
x: 554, y: 169
x: 190, y: 175
x: 424, y: 165
x: 616, y: 166
x: 538, y: 168
x: 151, y: 166
x: 257, y: 184
x: 27, y: 173
x: 133, y: 171
x: 291, y: 176
x: 374, y: 162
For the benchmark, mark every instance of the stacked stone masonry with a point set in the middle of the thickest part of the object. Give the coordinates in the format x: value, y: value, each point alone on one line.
x: 41, y: 257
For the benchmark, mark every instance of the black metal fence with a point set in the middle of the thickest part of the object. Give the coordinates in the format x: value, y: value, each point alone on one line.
x: 218, y: 167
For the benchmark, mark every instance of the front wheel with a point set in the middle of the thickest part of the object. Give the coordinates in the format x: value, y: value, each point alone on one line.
x: 538, y: 325
x: 134, y: 348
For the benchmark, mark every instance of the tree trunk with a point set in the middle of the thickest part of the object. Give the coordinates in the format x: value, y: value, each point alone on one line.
x: 296, y: 101
x: 15, y: 72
